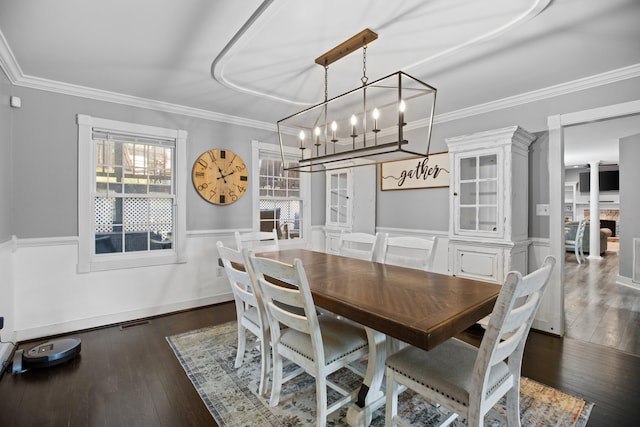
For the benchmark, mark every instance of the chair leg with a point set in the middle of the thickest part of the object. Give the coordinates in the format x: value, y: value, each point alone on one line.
x: 241, y: 345
x: 577, y: 251
x: 513, y: 406
x: 391, y: 408
x: 265, y: 363
x: 321, y: 400
x: 276, y: 379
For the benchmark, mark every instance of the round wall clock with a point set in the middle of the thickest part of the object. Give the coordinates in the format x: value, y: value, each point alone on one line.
x: 220, y: 176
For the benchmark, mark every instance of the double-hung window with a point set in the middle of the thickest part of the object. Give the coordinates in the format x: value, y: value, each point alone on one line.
x: 282, y: 197
x: 131, y: 209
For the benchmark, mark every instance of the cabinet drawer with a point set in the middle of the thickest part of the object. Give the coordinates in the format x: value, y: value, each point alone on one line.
x: 478, y: 263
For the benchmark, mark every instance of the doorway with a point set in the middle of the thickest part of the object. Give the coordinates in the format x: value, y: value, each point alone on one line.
x: 553, y: 305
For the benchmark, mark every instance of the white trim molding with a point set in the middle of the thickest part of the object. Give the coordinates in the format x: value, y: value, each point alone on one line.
x: 11, y: 67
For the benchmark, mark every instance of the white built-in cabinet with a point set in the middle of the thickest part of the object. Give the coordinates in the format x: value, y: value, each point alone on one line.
x: 350, y: 200
x: 570, y: 199
x: 489, y: 199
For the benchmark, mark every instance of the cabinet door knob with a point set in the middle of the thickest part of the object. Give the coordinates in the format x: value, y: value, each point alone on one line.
x: 455, y: 194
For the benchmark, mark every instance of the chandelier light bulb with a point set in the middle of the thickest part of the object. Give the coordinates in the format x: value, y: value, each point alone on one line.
x: 301, y: 135
x: 376, y: 114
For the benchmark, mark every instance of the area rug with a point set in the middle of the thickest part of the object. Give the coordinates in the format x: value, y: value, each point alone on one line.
x: 207, y: 356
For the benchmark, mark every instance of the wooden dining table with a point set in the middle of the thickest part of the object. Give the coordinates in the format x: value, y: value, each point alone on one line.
x: 416, y: 307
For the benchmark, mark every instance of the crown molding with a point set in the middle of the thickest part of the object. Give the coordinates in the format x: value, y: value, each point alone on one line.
x: 590, y: 82
x: 8, y: 62
x: 13, y: 71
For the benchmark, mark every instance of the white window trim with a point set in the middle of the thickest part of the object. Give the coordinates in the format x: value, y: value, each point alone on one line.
x: 305, y: 192
x: 87, y: 260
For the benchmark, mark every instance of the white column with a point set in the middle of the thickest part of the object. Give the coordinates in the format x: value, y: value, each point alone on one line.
x: 594, y: 211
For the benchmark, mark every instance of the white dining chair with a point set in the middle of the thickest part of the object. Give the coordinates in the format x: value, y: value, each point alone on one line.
x: 250, y: 311
x: 358, y: 245
x: 409, y: 251
x: 319, y: 345
x: 576, y: 244
x: 258, y: 241
x: 466, y: 380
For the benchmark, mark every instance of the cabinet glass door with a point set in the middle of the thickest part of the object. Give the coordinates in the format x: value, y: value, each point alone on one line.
x: 338, y: 197
x: 478, y: 193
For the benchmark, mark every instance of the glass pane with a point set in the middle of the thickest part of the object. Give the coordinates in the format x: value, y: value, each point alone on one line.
x: 343, y: 181
x: 488, y: 218
x: 488, y: 192
x: 468, y: 168
x: 489, y: 166
x: 334, y: 181
x: 136, y: 241
x: 135, y: 188
x: 160, y: 189
x: 108, y: 243
x: 468, y: 193
x: 468, y: 218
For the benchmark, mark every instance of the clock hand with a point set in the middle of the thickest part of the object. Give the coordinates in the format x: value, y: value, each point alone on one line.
x: 222, y: 176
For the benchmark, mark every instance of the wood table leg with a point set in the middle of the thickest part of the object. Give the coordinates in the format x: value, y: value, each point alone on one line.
x: 371, y: 395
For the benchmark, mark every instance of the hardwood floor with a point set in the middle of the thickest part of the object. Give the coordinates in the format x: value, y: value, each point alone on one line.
x: 598, y: 310
x: 129, y: 376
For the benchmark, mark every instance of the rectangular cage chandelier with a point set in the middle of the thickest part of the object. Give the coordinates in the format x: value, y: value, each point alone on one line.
x: 371, y: 121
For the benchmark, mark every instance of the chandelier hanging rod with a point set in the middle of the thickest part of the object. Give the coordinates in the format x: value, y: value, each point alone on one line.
x: 361, y: 39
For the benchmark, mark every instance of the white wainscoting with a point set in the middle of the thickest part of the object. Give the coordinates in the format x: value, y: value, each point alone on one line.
x: 50, y: 297
x: 6, y: 299
x: 546, y: 317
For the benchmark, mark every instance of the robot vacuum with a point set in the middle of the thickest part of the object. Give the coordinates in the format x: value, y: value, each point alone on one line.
x: 48, y: 353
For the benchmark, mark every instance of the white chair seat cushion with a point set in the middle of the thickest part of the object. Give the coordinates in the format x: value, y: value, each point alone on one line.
x: 447, y: 369
x: 340, y: 338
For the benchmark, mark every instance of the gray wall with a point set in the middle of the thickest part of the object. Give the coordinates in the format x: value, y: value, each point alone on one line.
x: 44, y: 160
x: 629, y: 201
x: 5, y: 159
x: 429, y: 208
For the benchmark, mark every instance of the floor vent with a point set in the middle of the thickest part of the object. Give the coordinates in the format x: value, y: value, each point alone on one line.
x: 134, y: 324
x: 636, y: 260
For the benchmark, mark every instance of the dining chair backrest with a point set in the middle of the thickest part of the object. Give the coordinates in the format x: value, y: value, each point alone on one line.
x: 506, y: 334
x: 464, y: 379
x: 409, y: 251
x: 258, y: 241
x: 290, y: 305
x: 576, y: 244
x: 250, y: 311
x: 318, y: 344
x: 358, y: 245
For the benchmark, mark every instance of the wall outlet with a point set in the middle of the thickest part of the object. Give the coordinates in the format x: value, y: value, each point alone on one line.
x: 542, y: 210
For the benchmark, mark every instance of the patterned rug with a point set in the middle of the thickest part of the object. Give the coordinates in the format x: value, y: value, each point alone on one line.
x: 207, y: 356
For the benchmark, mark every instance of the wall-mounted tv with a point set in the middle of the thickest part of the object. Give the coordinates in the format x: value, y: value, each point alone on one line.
x: 609, y: 181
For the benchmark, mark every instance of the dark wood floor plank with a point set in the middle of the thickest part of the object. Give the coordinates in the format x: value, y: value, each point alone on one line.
x: 131, y: 377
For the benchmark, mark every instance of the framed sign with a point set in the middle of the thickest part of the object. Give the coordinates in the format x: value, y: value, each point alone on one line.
x: 417, y: 172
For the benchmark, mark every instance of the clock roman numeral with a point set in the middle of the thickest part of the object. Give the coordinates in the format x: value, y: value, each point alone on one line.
x: 202, y: 163
x: 243, y: 178
x: 223, y: 154
x: 222, y: 198
x: 200, y: 174
x: 213, y: 158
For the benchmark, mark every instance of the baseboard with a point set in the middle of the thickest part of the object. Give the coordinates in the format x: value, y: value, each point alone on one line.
x: 115, y: 318
x: 626, y: 281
